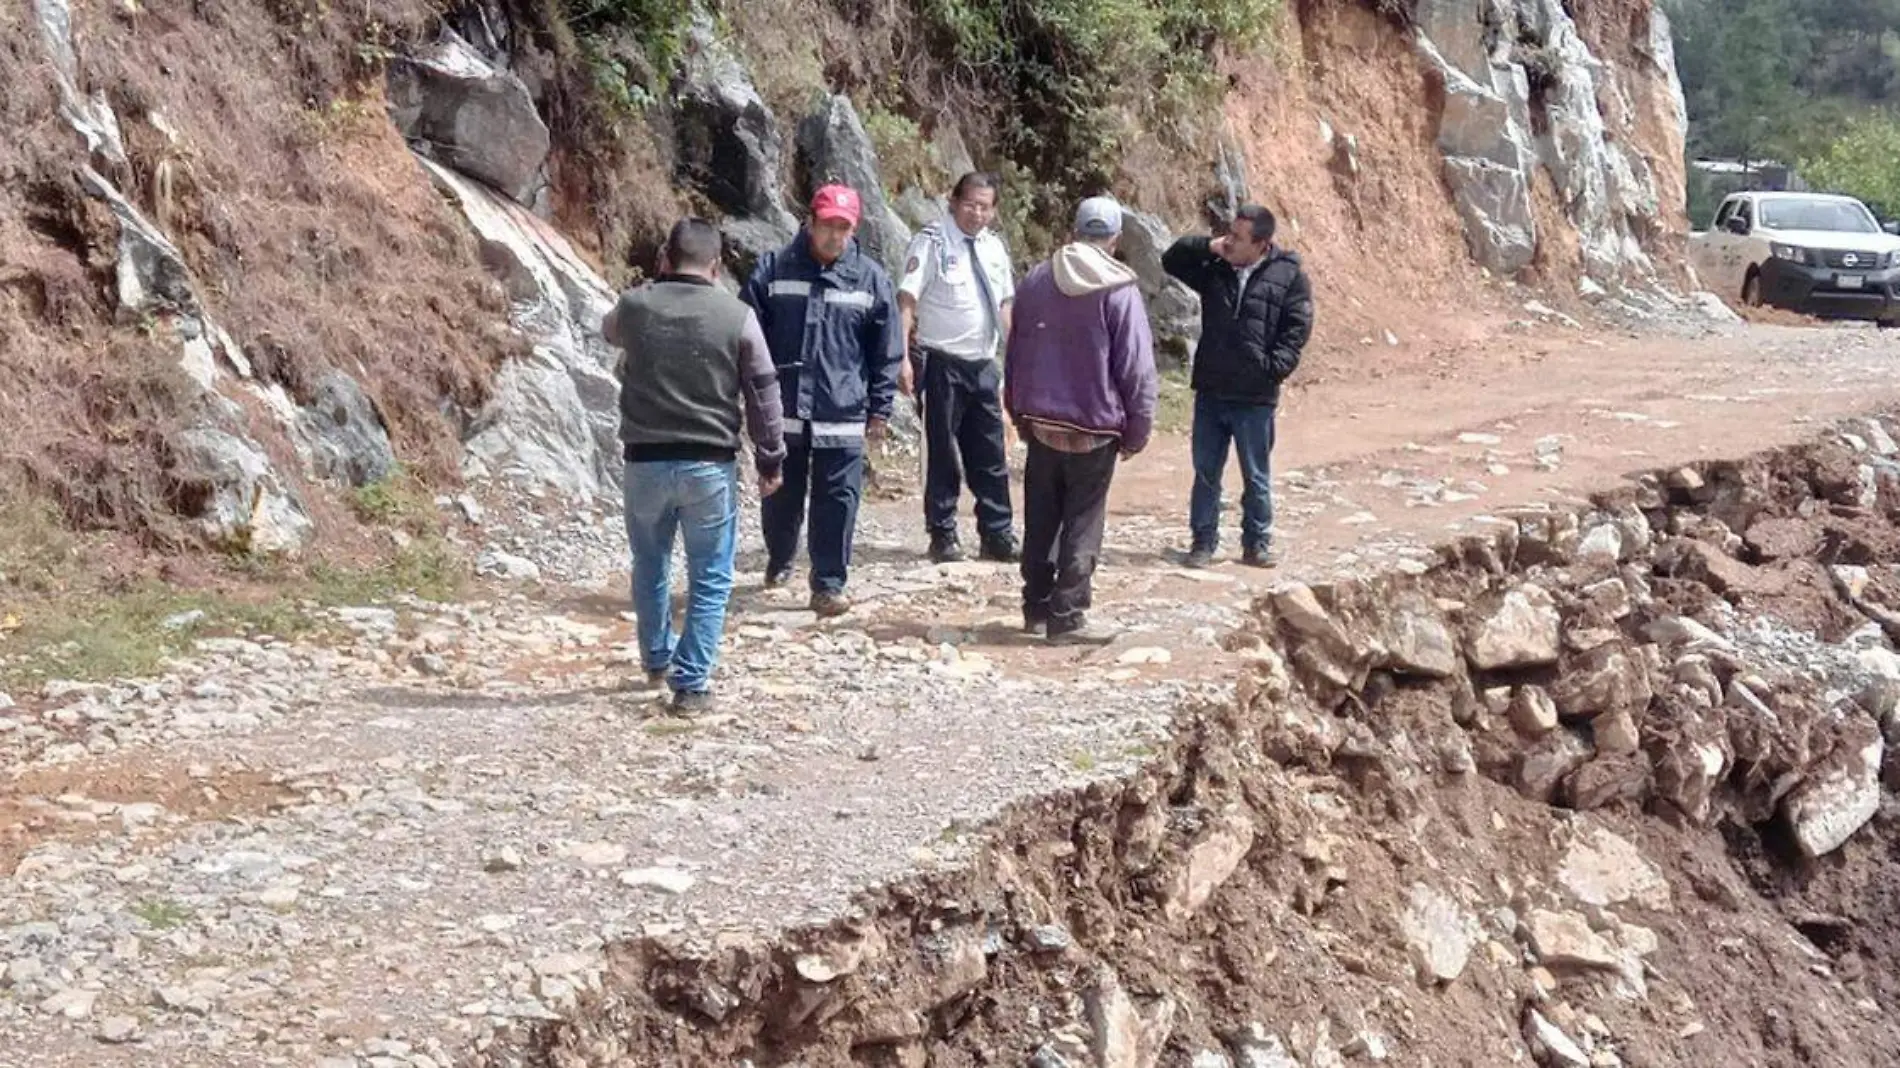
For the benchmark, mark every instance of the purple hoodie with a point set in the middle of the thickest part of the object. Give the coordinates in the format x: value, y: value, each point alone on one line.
x: 1080, y: 352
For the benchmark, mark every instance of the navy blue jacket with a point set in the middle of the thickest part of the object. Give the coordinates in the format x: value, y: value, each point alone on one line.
x: 835, y: 335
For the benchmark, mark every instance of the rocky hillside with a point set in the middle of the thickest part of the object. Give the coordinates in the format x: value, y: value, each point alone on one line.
x: 254, y: 256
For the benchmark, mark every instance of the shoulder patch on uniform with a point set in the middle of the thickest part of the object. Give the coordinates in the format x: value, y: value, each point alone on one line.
x: 912, y: 265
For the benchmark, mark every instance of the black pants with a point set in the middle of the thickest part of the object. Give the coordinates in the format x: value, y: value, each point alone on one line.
x: 1065, y: 505
x: 963, y: 414
x: 833, y: 481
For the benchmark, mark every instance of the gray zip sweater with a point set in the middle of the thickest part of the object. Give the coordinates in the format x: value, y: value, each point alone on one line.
x: 691, y: 352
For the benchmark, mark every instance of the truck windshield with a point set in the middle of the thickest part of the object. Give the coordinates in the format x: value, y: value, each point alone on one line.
x: 1845, y: 216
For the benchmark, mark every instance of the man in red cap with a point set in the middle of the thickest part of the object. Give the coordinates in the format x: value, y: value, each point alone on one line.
x: 831, y: 322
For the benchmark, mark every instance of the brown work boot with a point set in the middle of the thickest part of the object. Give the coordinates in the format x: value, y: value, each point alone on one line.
x: 830, y: 605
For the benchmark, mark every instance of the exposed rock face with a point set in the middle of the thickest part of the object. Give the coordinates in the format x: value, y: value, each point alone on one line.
x: 553, y: 420
x: 151, y: 274
x: 728, y: 141
x: 344, y: 434
x: 1174, y: 311
x: 456, y: 107
x: 1485, y: 132
x: 833, y: 147
x: 226, y: 484
x: 90, y: 116
x: 1501, y: 61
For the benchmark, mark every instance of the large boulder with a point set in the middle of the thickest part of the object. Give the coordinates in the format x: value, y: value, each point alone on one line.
x: 727, y: 142
x: 834, y: 147
x: 227, y: 487
x: 456, y: 107
x: 343, y: 433
x: 1174, y: 310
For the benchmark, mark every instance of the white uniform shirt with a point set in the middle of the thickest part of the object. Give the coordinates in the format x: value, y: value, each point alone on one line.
x: 939, y: 275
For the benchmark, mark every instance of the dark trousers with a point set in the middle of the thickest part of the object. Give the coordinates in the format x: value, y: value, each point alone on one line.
x: 1065, y: 505
x: 1249, y: 429
x: 834, y: 480
x: 963, y: 414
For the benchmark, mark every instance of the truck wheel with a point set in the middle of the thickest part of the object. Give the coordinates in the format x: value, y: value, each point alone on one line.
x: 1751, y: 291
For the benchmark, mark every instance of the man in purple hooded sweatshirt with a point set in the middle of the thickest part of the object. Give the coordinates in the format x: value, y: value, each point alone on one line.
x: 1079, y: 383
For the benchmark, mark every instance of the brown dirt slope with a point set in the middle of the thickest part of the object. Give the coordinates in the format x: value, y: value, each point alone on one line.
x: 256, y: 137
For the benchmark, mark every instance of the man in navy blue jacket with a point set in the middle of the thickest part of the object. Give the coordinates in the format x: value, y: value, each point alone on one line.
x: 831, y: 321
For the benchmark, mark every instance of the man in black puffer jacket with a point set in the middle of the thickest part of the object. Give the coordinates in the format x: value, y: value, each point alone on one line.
x: 1256, y: 314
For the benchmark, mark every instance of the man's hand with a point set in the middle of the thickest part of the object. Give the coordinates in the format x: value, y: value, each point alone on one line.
x: 1129, y: 454
x: 770, y: 484
x: 906, y: 378
x: 876, y: 430
x: 1218, y: 246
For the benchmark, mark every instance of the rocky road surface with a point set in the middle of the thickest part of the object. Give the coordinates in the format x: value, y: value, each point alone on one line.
x: 379, y: 850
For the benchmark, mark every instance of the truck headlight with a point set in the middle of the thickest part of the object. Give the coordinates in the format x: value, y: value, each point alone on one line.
x: 1791, y: 253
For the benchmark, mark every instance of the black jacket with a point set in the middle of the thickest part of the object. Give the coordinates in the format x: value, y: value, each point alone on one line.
x: 1250, y: 342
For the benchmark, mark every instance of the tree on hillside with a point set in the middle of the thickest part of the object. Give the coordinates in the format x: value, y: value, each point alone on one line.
x: 1864, y: 162
x: 1780, y: 77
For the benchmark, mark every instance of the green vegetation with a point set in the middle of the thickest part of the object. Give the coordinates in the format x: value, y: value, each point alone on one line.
x: 1075, y: 78
x: 398, y: 500
x: 1864, y: 161
x: 902, y: 153
x: 1174, y: 406
x: 162, y: 915
x: 64, y: 615
x: 1814, y: 81
x: 656, y: 28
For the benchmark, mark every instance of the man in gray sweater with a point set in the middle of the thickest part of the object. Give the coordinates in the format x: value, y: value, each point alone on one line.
x: 691, y: 353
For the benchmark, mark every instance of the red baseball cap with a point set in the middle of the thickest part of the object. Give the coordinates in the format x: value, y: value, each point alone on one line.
x: 836, y: 202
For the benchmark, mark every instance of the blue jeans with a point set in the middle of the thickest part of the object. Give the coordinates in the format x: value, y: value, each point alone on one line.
x: 699, y: 501
x: 1249, y: 427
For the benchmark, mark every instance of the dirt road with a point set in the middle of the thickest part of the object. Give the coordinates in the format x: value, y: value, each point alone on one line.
x: 393, y: 848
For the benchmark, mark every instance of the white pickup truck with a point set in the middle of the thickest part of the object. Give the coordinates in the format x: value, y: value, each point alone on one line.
x: 1807, y: 252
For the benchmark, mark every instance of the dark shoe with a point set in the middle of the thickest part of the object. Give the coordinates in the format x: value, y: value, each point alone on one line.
x: 656, y: 677
x: 777, y: 575
x: 1035, y: 622
x: 692, y: 702
x: 1085, y: 634
x: 944, y: 549
x: 1198, y: 557
x: 1262, y: 557
x: 1001, y: 549
x: 830, y: 605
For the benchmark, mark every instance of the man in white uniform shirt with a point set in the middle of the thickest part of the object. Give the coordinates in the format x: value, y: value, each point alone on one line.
x: 955, y: 296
